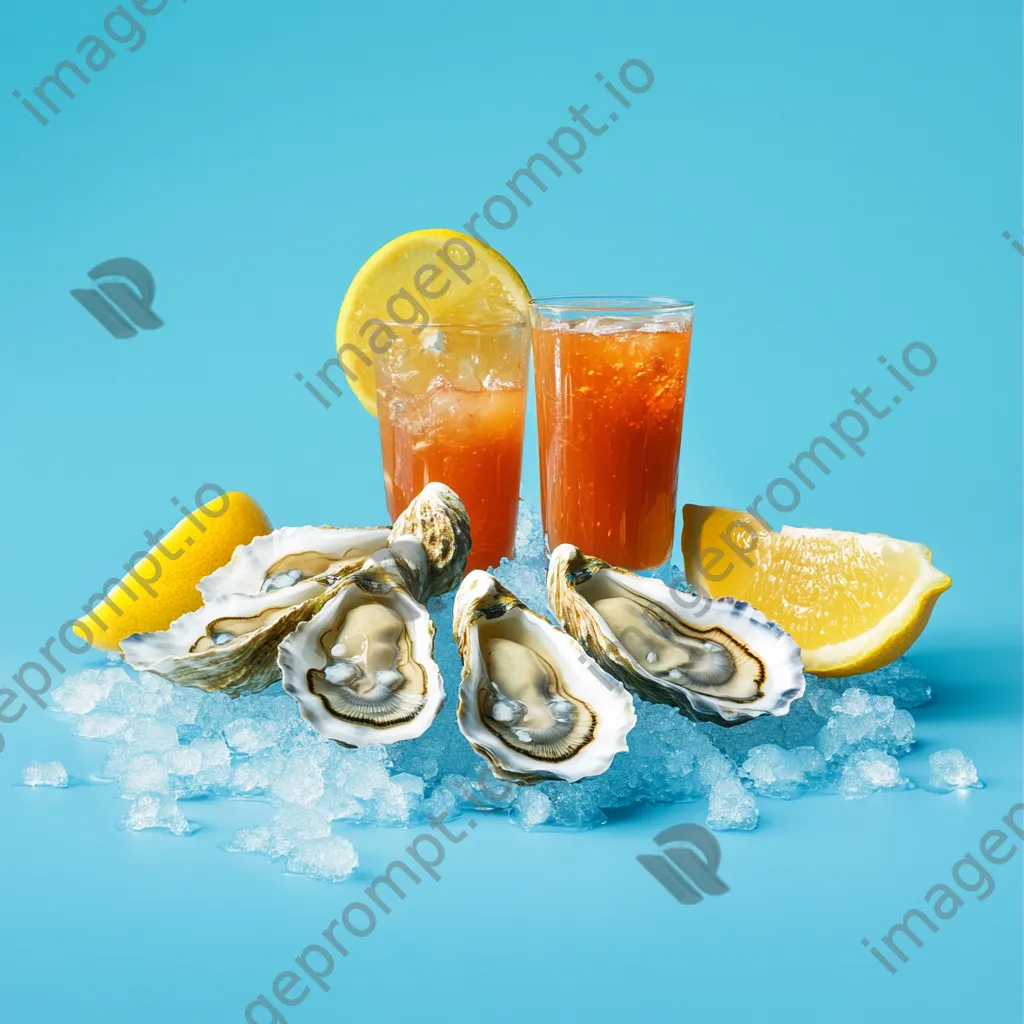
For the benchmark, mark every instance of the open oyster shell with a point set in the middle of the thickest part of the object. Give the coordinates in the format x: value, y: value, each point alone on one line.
x: 290, y: 555
x: 719, y: 660
x: 362, y: 668
x: 531, y: 701
x: 228, y: 645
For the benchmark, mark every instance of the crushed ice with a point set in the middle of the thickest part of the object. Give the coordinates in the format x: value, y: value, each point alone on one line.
x: 170, y: 744
x: 45, y: 773
x: 952, y: 769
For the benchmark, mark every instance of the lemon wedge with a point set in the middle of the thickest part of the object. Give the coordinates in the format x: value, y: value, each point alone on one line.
x: 852, y: 601
x: 161, y: 586
x: 435, y: 275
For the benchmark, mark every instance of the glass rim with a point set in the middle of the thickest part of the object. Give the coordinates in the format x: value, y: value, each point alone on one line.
x: 520, y: 320
x: 631, y: 304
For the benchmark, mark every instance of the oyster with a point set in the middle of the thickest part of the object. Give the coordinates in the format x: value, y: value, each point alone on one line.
x: 362, y: 669
x: 719, y: 660
x: 531, y: 701
x: 230, y: 643
x: 290, y: 555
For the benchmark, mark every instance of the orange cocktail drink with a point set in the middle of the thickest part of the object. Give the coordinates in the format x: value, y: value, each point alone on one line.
x: 452, y: 407
x: 611, y: 380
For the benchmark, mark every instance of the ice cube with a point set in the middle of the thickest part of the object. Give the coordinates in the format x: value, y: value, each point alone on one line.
x: 714, y: 767
x: 441, y: 804
x: 185, y: 704
x: 731, y: 806
x: 331, y: 859
x: 151, y: 735
x: 573, y: 807
x: 860, y: 720
x: 432, y: 340
x: 215, y: 770
x: 99, y: 725
x: 45, y: 773
x: 303, y: 784
x: 147, y: 695
x: 952, y: 769
x: 80, y: 693
x: 907, y: 685
x: 249, y: 735
x: 292, y: 826
x: 254, y: 775
x: 868, y: 771
x: 783, y: 773
x: 397, y: 800
x: 144, y: 773
x: 529, y: 545
x: 185, y: 761
x: 531, y: 808
x: 602, y: 325
x: 339, y: 805
x: 255, y: 839
x: 152, y: 810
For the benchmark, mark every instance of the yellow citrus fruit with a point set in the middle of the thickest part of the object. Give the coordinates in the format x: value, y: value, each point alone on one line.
x: 161, y: 586
x: 434, y: 276
x: 852, y: 601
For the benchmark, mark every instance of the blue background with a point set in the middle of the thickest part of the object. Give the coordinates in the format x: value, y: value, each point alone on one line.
x: 827, y: 182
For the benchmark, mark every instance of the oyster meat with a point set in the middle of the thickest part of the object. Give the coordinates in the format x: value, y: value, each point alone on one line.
x: 362, y: 668
x: 290, y: 555
x: 531, y: 701
x: 719, y: 660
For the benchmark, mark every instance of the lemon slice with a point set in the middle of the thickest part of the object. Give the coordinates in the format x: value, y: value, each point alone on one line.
x: 161, y: 586
x: 852, y: 601
x: 434, y: 275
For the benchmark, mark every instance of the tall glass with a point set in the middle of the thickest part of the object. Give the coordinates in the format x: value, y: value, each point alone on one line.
x: 451, y: 401
x: 610, y: 375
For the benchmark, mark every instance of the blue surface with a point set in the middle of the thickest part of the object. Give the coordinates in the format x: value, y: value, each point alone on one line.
x: 828, y: 182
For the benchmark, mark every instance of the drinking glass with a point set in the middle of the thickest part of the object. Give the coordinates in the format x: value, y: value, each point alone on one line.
x: 451, y: 401
x: 610, y: 375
